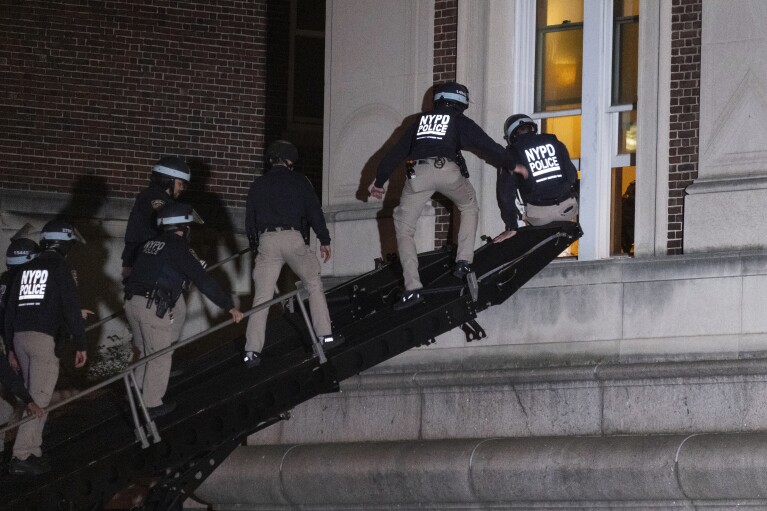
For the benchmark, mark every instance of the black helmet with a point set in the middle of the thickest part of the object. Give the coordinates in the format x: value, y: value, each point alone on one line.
x: 20, y: 251
x: 452, y: 94
x: 515, y: 122
x: 175, y: 215
x: 281, y: 151
x: 173, y: 167
x: 59, y: 235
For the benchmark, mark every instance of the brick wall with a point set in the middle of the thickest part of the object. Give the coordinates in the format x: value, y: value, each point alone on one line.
x: 684, y: 112
x: 445, y: 44
x: 100, y: 90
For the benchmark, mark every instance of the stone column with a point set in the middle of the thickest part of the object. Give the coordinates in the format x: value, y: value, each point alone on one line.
x: 725, y: 206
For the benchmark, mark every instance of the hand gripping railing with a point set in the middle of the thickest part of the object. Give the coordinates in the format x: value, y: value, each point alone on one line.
x: 208, y: 268
x: 135, y: 400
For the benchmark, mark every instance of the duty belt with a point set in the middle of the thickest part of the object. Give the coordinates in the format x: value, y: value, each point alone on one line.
x: 277, y: 229
x: 552, y: 202
x: 437, y: 161
x: 131, y: 294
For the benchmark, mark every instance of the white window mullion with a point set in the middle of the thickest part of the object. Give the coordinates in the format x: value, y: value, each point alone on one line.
x: 595, y: 125
x: 524, y: 57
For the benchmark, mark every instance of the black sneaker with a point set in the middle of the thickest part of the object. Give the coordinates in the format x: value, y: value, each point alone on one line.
x: 159, y: 411
x: 408, y: 299
x: 32, y: 466
x: 252, y: 359
x: 331, y: 341
x: 462, y: 268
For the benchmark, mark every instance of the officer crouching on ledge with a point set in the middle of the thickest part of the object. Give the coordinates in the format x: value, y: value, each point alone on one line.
x: 154, y: 303
x: 545, y: 177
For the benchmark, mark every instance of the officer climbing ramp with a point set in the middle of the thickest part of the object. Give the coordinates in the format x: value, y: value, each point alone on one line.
x: 100, y: 444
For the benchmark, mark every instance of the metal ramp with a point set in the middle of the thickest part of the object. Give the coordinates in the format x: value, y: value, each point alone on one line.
x: 95, y: 449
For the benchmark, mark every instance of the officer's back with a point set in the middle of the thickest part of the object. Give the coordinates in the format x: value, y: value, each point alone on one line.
x: 283, y: 198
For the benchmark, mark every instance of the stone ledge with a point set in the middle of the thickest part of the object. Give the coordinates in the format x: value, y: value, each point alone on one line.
x: 627, y: 472
x: 378, y: 380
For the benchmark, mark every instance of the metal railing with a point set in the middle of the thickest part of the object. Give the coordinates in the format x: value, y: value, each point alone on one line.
x: 138, y: 409
x: 208, y: 268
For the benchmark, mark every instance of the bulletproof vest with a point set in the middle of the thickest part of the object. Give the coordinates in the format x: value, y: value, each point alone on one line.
x: 437, y: 133
x: 545, y: 161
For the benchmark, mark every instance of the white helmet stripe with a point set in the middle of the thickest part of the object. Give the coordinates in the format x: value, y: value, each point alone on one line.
x: 19, y: 259
x: 451, y: 96
x: 514, y: 125
x: 173, y: 220
x: 178, y: 174
x: 57, y: 236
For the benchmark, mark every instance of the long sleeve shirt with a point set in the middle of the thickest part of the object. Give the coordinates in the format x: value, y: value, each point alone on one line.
x: 551, y: 175
x: 167, y: 260
x: 284, y: 198
x: 43, y: 298
x: 443, y: 131
x: 142, y: 222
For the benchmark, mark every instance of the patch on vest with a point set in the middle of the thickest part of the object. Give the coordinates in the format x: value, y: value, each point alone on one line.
x: 33, y: 284
x: 158, y: 203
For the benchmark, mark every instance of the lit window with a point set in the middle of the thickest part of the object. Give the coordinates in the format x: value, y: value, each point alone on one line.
x: 559, y: 55
x: 625, y: 54
x: 560, y: 106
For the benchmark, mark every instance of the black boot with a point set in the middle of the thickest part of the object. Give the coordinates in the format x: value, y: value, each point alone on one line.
x: 252, y: 359
x: 408, y: 299
x: 462, y: 268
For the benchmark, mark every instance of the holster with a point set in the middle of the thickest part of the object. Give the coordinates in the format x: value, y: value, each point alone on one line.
x: 305, y: 230
x: 410, y: 169
x: 461, y: 162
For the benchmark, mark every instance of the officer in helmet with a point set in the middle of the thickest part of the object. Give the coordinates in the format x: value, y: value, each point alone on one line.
x: 43, y: 299
x: 281, y: 208
x: 545, y: 177
x: 20, y: 251
x: 432, y: 148
x: 170, y: 176
x: 154, y: 303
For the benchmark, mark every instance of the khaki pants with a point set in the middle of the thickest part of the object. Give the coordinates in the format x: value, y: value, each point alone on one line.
x: 449, y: 182
x: 566, y: 211
x: 39, y: 364
x: 150, y: 335
x: 274, y: 250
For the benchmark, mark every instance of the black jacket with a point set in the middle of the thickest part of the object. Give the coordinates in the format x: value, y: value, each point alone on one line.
x: 551, y: 175
x: 142, y: 224
x: 442, y: 131
x: 284, y: 198
x: 44, y: 298
x: 6, y: 281
x: 167, y: 261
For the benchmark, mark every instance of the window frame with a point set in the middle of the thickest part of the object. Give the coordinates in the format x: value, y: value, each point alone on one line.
x: 599, y: 120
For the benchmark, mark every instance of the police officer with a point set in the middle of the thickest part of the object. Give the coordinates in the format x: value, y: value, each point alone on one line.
x: 432, y: 148
x: 43, y: 298
x: 154, y: 304
x: 280, y: 209
x: 20, y: 251
x: 170, y: 176
x: 545, y: 177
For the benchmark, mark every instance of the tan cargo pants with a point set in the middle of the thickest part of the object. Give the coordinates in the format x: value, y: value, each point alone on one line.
x: 274, y: 250
x: 150, y: 335
x: 39, y: 364
x: 449, y: 182
x: 566, y: 211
